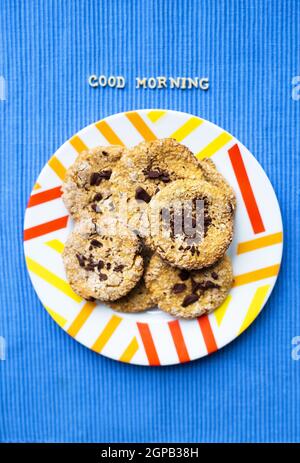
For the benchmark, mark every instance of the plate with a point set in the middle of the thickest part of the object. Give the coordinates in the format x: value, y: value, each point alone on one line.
x: 154, y: 337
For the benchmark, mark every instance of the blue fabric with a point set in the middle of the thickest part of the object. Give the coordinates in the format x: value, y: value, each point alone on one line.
x: 52, y: 388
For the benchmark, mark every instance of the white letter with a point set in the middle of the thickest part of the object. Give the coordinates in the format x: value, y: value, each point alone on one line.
x: 296, y: 350
x: 151, y: 82
x: 175, y: 82
x: 161, y: 82
x: 93, y: 81
x: 120, y: 82
x: 141, y: 82
x: 193, y: 82
x: 204, y: 83
x: 111, y: 81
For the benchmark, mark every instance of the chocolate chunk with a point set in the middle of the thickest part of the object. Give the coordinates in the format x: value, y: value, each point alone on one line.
x: 165, y: 178
x: 195, y: 286
x: 94, y: 207
x: 90, y: 267
x: 97, y: 197
x: 105, y: 174
x: 189, y: 299
x: 214, y: 275
x: 108, y: 265
x: 142, y: 194
x: 179, y: 288
x: 153, y: 174
x: 81, y: 259
x: 184, y: 274
x: 203, y: 285
x: 100, y: 265
x: 105, y: 153
x: 119, y: 268
x: 95, y: 179
x: 96, y: 244
x: 102, y: 276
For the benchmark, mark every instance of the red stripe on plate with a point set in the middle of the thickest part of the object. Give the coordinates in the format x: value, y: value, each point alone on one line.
x: 246, y: 189
x: 44, y: 196
x: 207, y: 334
x: 148, y: 344
x: 45, y: 228
x: 178, y: 339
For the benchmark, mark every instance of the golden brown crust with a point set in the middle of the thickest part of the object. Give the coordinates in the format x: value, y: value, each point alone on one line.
x: 100, y: 264
x: 175, y: 288
x: 178, y: 249
x: 87, y: 185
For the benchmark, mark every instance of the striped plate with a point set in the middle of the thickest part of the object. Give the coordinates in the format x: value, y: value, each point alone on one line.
x: 154, y: 338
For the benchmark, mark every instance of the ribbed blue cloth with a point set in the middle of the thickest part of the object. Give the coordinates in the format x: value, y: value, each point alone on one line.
x: 52, y: 388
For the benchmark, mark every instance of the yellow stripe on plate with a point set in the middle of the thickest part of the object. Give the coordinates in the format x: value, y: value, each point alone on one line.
x: 255, y: 306
x: 78, y: 144
x: 256, y: 275
x: 214, y: 146
x: 221, y: 311
x: 37, y: 186
x: 57, y: 245
x: 186, y: 128
x: 57, y: 167
x: 259, y: 243
x: 155, y: 115
x: 130, y: 351
x: 108, y: 133
x: 105, y: 335
x: 61, y: 321
x: 52, y: 279
x: 81, y: 318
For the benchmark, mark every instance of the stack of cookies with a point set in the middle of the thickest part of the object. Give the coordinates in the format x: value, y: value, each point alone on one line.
x: 122, y: 249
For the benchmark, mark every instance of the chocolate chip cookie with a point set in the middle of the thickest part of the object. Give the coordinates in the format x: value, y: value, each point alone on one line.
x: 146, y: 169
x: 139, y: 298
x: 102, y: 259
x: 191, y: 223
x: 87, y: 184
x: 188, y: 294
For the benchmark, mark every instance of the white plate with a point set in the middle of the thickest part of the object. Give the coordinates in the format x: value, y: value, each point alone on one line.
x: 155, y: 338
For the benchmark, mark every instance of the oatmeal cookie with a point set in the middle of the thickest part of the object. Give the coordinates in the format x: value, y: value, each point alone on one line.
x: 188, y: 294
x: 191, y: 223
x: 87, y: 185
x: 102, y: 260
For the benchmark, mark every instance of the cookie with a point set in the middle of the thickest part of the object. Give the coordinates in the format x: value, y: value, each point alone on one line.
x: 191, y: 223
x: 211, y: 175
x: 87, y: 184
x: 188, y: 294
x: 145, y: 170
x: 102, y: 259
x: 139, y: 298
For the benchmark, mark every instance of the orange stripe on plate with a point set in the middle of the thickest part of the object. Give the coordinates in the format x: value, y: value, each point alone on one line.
x: 178, y: 339
x: 246, y: 189
x: 256, y: 275
x: 45, y: 228
x: 148, y: 344
x: 78, y: 144
x: 207, y: 334
x: 258, y: 243
x: 81, y: 318
x: 44, y: 196
x: 108, y: 133
x: 140, y: 126
x: 106, y: 334
x: 57, y: 167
